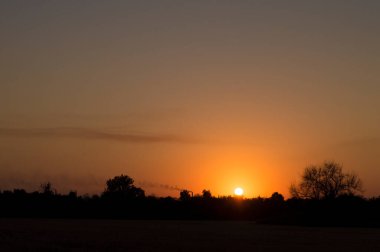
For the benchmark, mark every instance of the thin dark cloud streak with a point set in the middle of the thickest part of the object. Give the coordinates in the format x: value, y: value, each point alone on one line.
x: 146, y: 184
x: 85, y: 133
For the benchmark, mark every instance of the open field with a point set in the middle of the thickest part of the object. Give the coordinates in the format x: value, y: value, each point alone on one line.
x: 125, y: 235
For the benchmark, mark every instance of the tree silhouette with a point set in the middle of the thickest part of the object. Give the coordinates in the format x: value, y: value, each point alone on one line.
x: 326, y: 181
x: 184, y: 195
x: 277, y: 197
x: 122, y: 186
x: 206, y: 194
x: 47, y: 188
x: 121, y: 199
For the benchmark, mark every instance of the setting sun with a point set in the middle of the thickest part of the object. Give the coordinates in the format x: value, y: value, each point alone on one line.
x: 238, y: 191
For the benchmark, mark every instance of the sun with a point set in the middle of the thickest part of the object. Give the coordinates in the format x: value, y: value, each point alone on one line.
x: 239, y: 191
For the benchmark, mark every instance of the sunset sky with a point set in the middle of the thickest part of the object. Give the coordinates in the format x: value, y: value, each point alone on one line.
x: 188, y: 94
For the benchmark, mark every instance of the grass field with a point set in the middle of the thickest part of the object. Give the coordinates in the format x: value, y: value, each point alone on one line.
x: 125, y: 235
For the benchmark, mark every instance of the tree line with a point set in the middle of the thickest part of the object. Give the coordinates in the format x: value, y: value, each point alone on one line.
x: 325, y: 195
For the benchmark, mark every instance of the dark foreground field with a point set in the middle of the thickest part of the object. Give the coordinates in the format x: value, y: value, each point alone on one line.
x: 124, y: 235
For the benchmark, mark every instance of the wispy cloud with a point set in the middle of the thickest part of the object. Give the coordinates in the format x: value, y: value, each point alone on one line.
x: 86, y: 133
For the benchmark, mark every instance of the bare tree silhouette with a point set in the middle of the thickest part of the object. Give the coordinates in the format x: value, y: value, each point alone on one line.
x: 326, y: 181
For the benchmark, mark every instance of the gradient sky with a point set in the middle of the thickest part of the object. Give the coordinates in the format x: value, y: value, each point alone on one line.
x: 187, y: 94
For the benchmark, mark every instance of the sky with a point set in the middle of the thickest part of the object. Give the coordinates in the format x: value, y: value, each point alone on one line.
x: 187, y: 94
